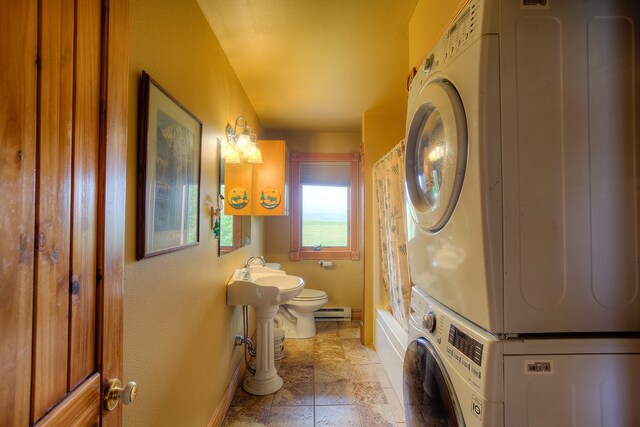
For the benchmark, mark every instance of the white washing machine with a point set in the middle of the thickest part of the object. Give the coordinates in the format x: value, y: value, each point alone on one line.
x: 457, y: 374
x: 523, y: 165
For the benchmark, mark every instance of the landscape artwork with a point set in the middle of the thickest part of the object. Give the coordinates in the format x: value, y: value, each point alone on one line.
x: 169, y: 163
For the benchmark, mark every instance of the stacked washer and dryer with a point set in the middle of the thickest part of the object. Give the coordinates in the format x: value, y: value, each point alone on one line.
x: 523, y: 185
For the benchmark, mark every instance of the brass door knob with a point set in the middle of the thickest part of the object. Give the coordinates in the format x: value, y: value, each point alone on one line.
x: 116, y: 393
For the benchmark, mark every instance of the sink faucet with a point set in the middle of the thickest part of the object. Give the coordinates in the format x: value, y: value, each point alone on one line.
x: 246, y: 274
x: 254, y: 258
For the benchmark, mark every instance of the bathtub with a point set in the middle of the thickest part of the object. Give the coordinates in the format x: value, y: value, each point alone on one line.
x: 391, y: 344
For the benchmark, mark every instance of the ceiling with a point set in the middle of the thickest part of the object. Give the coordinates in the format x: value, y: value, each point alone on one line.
x: 316, y: 65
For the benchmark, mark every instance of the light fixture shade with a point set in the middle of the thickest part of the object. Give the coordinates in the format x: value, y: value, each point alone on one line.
x: 225, y: 149
x: 243, y: 140
x: 233, y: 156
x: 239, y: 141
x: 253, y: 154
x: 256, y: 157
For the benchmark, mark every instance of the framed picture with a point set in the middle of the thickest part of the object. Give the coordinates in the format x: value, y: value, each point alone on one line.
x: 169, y: 141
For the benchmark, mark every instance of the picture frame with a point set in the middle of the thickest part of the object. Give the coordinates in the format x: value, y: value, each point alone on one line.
x: 169, y: 151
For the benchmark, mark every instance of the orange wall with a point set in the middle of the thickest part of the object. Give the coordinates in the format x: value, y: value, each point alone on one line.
x: 429, y: 20
x: 380, y: 133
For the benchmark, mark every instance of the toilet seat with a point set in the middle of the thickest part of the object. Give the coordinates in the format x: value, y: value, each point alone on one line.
x: 310, y: 295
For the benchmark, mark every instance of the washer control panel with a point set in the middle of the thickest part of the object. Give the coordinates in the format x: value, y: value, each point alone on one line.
x: 429, y: 321
x: 467, y: 345
x: 465, y: 351
x: 465, y: 29
x: 466, y: 348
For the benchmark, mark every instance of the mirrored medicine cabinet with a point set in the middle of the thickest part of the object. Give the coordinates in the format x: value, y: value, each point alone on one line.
x: 235, y: 230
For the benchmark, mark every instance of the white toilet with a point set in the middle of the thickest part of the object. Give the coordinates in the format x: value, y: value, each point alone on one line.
x: 296, y: 316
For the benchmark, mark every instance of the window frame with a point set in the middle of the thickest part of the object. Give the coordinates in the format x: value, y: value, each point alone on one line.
x: 351, y: 251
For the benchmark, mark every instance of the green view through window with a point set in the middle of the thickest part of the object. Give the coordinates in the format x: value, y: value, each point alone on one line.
x: 325, y: 216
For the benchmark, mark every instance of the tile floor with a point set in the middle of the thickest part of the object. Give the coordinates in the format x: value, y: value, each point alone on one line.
x: 329, y: 380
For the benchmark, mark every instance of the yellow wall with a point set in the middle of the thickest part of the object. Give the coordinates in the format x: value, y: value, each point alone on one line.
x: 178, y: 331
x: 343, y: 284
x: 380, y: 133
x: 429, y: 20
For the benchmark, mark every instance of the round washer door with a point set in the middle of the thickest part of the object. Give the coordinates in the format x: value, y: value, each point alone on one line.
x: 429, y: 397
x: 436, y: 155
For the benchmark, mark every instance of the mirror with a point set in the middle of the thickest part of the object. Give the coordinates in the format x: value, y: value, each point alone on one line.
x: 235, y: 230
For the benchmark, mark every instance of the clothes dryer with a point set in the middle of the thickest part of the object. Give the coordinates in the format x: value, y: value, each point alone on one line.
x: 522, y: 166
x: 457, y: 374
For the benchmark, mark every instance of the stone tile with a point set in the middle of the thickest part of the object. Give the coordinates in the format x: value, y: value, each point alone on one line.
x: 328, y: 342
x: 296, y: 372
x: 297, y: 359
x: 376, y: 415
x: 381, y: 373
x: 352, y: 344
x: 336, y: 393
x: 295, y: 346
x: 333, y: 371
x: 349, y: 332
x: 371, y: 393
x: 243, y: 399
x: 329, y: 354
x: 373, y: 355
x: 397, y: 407
x: 327, y: 335
x: 328, y: 372
x: 349, y: 324
x: 328, y: 325
x: 294, y: 394
x: 296, y: 351
x: 246, y: 417
x: 357, y: 356
x: 362, y: 373
x: 337, y: 416
x: 296, y: 416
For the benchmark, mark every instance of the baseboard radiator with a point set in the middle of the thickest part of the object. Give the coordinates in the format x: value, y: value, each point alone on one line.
x: 333, y: 313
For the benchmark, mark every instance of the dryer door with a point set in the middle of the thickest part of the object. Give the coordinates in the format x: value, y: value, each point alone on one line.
x: 429, y: 397
x: 436, y: 155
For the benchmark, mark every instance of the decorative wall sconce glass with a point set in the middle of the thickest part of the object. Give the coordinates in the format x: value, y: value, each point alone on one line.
x: 253, y: 154
x: 240, y: 140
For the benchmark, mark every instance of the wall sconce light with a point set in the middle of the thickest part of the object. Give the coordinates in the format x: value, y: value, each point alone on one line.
x: 253, y: 154
x: 240, y: 140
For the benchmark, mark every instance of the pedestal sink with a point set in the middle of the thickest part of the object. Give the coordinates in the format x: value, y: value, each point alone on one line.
x: 265, y: 292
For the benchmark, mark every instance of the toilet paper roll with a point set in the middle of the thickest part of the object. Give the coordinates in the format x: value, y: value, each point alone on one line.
x: 326, y: 264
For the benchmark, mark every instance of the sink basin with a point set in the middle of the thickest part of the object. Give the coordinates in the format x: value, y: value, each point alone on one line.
x: 259, y: 270
x: 263, y: 288
x: 273, y: 265
x: 289, y: 286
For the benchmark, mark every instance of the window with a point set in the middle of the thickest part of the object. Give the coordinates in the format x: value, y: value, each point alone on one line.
x: 325, y: 216
x: 232, y: 229
x: 324, y: 206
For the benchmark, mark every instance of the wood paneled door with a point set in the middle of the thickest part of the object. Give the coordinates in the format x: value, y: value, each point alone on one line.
x: 63, y: 111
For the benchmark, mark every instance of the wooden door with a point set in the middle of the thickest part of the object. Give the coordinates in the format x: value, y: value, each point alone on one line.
x: 62, y: 181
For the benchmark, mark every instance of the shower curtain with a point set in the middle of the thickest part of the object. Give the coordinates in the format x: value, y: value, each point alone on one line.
x: 388, y: 173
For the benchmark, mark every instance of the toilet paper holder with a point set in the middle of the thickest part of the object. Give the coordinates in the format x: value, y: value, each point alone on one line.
x: 326, y: 264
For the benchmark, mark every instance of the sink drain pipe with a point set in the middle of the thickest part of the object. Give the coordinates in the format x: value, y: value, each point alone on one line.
x: 248, y: 344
